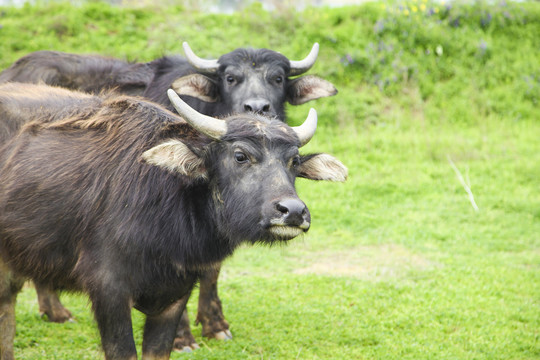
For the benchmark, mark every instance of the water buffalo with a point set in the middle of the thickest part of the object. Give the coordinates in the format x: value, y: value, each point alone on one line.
x: 130, y: 203
x: 258, y: 80
x: 244, y: 80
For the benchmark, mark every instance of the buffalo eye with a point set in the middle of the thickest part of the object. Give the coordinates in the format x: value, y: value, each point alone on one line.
x: 240, y: 157
x: 295, y: 161
x: 230, y: 79
x: 278, y: 79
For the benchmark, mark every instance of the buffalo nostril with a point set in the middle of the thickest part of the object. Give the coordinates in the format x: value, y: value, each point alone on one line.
x: 257, y: 105
x: 293, y: 210
x: 282, y: 209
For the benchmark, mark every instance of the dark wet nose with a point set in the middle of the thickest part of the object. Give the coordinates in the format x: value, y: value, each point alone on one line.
x: 257, y: 105
x: 294, y: 211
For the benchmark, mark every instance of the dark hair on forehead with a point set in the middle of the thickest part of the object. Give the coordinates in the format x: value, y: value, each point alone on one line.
x: 259, y: 127
x: 256, y: 56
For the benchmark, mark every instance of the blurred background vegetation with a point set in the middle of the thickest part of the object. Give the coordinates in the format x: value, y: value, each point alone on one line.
x: 398, y: 263
x: 439, y: 48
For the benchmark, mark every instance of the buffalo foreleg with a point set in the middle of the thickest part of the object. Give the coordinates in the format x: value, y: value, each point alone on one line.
x: 113, y: 315
x: 210, y: 313
x: 160, y: 330
x: 184, y: 340
x: 50, y: 305
x: 10, y: 286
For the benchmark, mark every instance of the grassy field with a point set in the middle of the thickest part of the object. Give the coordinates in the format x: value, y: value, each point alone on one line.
x: 398, y: 263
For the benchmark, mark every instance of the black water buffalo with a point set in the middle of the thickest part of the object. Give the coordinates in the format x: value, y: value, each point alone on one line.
x: 245, y: 80
x: 126, y: 201
x: 257, y: 80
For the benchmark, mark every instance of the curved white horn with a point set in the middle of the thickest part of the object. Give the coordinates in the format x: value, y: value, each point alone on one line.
x: 306, y: 131
x: 301, y: 66
x: 203, y: 65
x: 207, y: 125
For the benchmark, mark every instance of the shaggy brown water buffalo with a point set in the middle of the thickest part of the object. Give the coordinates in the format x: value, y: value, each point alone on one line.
x: 244, y: 80
x: 129, y: 203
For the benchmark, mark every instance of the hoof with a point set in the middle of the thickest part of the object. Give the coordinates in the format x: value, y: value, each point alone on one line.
x: 223, y: 335
x: 187, y: 348
x: 58, y: 318
x: 185, y: 344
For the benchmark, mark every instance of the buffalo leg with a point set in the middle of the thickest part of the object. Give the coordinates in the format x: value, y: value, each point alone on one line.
x: 113, y: 316
x: 9, y: 288
x: 160, y: 330
x: 184, y: 340
x: 50, y: 305
x: 210, y: 313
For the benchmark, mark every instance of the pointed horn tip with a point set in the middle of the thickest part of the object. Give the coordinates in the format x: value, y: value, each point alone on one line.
x: 204, y: 65
x: 177, y: 102
x: 314, y: 118
x: 301, y: 66
x: 312, y: 112
x: 187, y: 49
x: 306, y: 131
x: 314, y: 49
x: 312, y: 115
x: 172, y: 94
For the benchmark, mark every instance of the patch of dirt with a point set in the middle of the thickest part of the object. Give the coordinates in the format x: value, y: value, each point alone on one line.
x: 375, y: 262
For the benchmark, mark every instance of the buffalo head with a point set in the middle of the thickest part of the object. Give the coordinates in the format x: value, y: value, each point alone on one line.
x: 250, y: 166
x: 253, y: 80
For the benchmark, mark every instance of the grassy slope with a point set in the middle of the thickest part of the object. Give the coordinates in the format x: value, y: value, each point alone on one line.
x: 398, y: 264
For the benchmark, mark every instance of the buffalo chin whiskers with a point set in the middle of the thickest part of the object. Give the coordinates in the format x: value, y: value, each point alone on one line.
x: 284, y: 232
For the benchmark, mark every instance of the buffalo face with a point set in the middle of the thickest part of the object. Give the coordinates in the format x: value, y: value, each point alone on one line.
x: 250, y: 167
x: 255, y: 177
x: 254, y: 83
x: 250, y: 80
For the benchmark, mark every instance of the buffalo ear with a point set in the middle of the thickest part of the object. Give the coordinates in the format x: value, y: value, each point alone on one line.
x: 175, y: 156
x: 306, y: 88
x: 197, y: 86
x: 322, y: 167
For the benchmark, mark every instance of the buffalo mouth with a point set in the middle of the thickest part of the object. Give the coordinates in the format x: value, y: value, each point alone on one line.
x: 285, y: 232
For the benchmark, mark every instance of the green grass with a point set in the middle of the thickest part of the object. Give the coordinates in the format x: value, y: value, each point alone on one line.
x: 397, y: 265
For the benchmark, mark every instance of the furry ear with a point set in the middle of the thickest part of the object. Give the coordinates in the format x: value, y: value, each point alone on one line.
x: 197, y: 86
x: 307, y: 88
x: 322, y: 167
x: 175, y: 156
